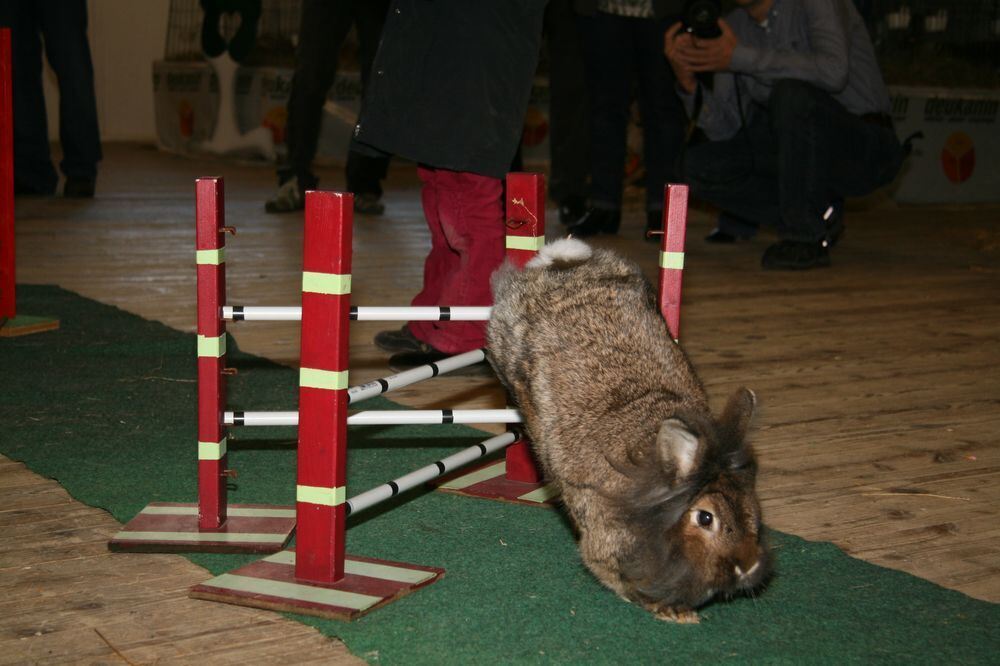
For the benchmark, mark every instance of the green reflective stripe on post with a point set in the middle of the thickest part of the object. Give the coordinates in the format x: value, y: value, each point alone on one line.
x: 530, y: 243
x: 323, y: 379
x: 211, y: 257
x: 672, y: 260
x: 212, y: 347
x: 324, y: 496
x: 212, y: 450
x: 333, y: 284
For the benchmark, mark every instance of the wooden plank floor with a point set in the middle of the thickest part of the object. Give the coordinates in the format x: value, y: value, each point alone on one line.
x: 877, y: 378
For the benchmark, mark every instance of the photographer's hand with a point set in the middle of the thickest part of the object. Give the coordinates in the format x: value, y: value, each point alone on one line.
x: 710, y: 55
x: 675, y: 43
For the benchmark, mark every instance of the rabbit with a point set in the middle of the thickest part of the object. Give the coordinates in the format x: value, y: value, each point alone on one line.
x: 661, y: 494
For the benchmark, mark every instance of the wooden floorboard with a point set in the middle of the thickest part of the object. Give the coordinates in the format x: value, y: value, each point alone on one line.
x: 877, y: 379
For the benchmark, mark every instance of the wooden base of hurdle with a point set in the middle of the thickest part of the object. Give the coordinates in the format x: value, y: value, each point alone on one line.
x: 173, y: 527
x: 26, y: 325
x: 271, y: 584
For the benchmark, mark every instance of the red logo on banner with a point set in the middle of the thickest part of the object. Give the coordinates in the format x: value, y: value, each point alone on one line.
x: 958, y: 157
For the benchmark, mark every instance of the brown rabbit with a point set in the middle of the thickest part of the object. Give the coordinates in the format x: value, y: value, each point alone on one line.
x: 662, y: 494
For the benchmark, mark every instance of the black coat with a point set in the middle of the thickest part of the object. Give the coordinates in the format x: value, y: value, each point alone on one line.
x: 451, y: 80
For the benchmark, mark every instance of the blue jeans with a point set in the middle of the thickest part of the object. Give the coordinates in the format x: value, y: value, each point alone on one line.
x: 791, y: 161
x: 617, y: 51
x: 63, y: 25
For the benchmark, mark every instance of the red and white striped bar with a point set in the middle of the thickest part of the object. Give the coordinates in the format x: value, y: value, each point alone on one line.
x: 525, y: 220
x: 391, y: 313
x: 382, y: 417
x: 675, y: 206
x: 323, y: 382
x: 211, y: 267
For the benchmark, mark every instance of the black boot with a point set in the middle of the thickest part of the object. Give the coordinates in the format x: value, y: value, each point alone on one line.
x: 596, y: 221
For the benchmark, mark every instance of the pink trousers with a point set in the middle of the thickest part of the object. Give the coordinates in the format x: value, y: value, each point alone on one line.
x: 464, y: 212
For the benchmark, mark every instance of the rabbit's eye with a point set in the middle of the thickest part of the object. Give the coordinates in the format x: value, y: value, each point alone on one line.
x: 705, y: 518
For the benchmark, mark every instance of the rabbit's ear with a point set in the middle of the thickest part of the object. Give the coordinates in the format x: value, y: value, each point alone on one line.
x: 738, y: 413
x: 679, y: 447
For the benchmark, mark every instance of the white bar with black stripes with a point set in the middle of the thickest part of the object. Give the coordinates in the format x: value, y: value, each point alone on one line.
x: 391, y: 313
x: 382, y: 417
x: 378, y: 494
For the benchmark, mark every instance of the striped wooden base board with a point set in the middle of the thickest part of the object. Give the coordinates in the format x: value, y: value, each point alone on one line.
x: 270, y: 583
x: 170, y: 527
x: 488, y: 481
x: 26, y: 325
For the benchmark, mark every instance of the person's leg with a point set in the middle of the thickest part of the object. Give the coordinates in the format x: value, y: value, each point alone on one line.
x: 322, y: 31
x: 64, y: 29
x: 663, y: 117
x: 605, y: 45
x: 33, y: 169
x: 568, y: 113
x: 366, y: 169
x: 465, y: 214
x: 737, y: 175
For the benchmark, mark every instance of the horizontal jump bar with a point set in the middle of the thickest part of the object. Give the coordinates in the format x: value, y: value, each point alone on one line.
x: 381, y: 417
x: 401, y: 313
x: 378, y: 494
x: 414, y: 375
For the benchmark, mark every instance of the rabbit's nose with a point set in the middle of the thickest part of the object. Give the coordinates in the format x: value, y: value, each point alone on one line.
x: 749, y: 572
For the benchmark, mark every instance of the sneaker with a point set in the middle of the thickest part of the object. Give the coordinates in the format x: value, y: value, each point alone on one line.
x: 401, y: 340
x: 795, y: 255
x: 596, y: 221
x: 79, y: 188
x: 409, y: 360
x: 287, y: 199
x: 368, y: 204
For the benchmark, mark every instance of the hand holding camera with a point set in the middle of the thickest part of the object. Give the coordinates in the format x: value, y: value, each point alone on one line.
x: 702, y: 43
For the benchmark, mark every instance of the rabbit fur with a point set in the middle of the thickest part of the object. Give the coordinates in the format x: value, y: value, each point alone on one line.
x: 662, y: 494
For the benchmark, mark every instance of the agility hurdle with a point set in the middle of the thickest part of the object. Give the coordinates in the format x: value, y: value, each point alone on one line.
x: 11, y: 324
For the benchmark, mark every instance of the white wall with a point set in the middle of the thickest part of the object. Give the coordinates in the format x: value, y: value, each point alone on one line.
x: 126, y: 36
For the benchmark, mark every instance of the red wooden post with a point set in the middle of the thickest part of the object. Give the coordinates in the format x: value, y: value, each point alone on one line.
x: 525, y: 213
x: 211, y: 261
x: 322, y: 455
x: 675, y: 205
x: 8, y: 309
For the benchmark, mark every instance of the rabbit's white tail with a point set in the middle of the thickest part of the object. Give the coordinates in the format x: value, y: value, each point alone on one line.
x: 566, y: 251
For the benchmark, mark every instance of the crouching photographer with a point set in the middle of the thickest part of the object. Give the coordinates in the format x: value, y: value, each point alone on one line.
x: 796, y: 115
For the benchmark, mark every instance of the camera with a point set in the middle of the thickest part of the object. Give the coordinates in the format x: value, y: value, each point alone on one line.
x: 701, y: 18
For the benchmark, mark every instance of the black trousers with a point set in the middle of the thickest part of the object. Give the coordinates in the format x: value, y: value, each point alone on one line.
x: 569, y: 124
x: 791, y: 161
x: 63, y: 26
x: 324, y: 26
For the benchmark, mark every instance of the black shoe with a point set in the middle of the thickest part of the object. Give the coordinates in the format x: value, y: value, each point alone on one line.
x: 834, y: 218
x: 571, y: 209
x: 368, y: 204
x: 409, y: 360
x: 79, y: 188
x: 596, y: 221
x: 654, y: 225
x: 400, y: 340
x: 795, y: 255
x: 289, y: 198
x: 720, y: 237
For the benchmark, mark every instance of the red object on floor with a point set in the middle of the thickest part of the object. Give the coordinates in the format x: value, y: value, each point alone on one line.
x: 675, y: 206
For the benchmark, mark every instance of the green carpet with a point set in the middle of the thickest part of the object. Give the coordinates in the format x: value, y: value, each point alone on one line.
x: 105, y: 406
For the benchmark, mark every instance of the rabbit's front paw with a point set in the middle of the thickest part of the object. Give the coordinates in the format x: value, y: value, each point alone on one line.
x: 676, y: 615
